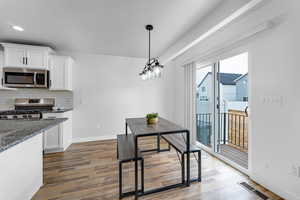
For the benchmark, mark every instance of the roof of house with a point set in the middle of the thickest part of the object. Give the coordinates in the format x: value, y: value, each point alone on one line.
x: 225, y: 78
x: 242, y: 76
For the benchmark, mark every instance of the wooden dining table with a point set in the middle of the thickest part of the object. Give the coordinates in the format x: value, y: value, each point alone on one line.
x: 140, y: 128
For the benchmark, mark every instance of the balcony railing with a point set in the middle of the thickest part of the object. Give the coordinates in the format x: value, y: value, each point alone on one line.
x: 204, y: 127
x: 233, y: 127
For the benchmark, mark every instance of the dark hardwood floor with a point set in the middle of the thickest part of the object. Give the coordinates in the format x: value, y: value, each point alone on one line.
x: 89, y: 171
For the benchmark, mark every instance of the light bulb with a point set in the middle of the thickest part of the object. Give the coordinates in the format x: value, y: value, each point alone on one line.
x: 157, y: 71
x: 149, y: 74
x: 143, y: 76
x: 159, y: 75
x: 152, y: 76
x: 18, y: 28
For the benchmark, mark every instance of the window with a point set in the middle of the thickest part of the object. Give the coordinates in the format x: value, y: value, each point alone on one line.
x: 203, y: 98
x: 203, y: 89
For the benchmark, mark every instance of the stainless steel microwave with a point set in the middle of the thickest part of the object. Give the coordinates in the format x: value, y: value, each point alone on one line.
x: 25, y: 78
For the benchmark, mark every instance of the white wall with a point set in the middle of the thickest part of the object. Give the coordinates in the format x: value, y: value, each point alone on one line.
x: 273, y: 82
x: 108, y: 89
x: 274, y: 105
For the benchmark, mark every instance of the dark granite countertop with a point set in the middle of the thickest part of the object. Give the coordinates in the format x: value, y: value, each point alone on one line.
x: 13, y: 132
x: 47, y: 111
x: 57, y: 111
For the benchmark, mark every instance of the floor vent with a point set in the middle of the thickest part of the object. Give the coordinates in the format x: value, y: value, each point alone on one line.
x: 253, y: 190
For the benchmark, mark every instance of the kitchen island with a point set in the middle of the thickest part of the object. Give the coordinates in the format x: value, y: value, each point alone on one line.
x: 21, y: 156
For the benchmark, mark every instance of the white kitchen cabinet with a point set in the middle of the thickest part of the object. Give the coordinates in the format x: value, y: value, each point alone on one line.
x: 22, y: 168
x: 14, y: 57
x: 58, y: 138
x: 52, y: 139
x: 60, y: 72
x: 27, y: 56
x: 1, y: 72
x: 37, y: 58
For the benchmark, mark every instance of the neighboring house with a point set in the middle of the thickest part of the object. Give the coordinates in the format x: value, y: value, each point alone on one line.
x: 204, y: 89
x: 242, y: 88
x: 227, y: 87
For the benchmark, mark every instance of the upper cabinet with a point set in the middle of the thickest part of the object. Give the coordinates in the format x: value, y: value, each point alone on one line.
x: 1, y: 72
x: 28, y: 56
x: 60, y: 72
x: 38, y: 57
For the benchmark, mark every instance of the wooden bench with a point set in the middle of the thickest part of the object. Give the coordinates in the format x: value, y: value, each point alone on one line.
x: 178, y: 142
x: 126, y: 153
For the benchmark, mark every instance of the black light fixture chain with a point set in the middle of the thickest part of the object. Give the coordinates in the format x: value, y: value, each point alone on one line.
x: 149, y: 46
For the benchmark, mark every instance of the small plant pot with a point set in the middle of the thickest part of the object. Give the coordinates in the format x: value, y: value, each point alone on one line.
x: 152, y: 120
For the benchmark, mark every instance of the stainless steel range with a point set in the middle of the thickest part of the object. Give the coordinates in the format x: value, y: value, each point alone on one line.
x: 20, y: 114
x: 41, y: 104
x: 27, y: 108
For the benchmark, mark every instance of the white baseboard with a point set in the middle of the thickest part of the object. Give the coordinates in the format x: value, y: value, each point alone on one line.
x: 90, y: 139
x: 282, y: 193
x: 53, y: 150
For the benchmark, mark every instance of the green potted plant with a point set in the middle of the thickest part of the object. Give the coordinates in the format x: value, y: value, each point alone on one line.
x: 152, y: 118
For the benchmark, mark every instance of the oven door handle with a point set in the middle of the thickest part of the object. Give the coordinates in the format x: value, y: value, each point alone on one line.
x: 34, y: 79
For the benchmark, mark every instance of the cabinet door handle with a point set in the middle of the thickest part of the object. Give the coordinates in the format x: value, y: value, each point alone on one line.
x: 23, y: 60
x: 26, y: 61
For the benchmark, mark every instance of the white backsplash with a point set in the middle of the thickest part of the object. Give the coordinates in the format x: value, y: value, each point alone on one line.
x: 63, y: 99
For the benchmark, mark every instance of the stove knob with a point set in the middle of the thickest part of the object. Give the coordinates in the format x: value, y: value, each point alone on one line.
x: 29, y: 116
x: 25, y: 116
x: 15, y: 117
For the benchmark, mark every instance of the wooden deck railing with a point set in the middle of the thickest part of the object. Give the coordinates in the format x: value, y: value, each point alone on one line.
x: 233, y: 129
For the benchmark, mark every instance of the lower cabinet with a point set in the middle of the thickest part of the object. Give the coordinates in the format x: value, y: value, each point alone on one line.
x: 58, y: 138
x: 22, y: 170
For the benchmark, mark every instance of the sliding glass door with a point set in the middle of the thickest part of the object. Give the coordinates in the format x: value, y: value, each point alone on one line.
x: 222, y: 108
x: 205, y: 105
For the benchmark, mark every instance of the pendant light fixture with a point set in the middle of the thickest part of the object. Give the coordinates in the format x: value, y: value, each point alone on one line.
x: 152, y: 68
